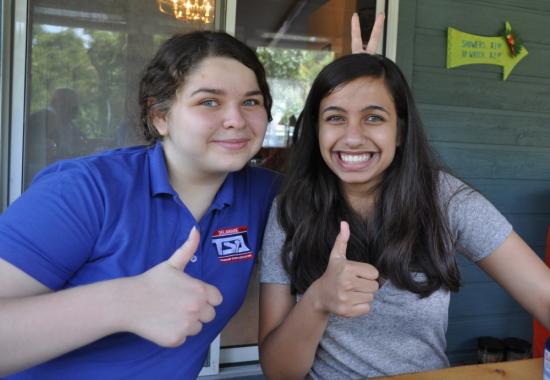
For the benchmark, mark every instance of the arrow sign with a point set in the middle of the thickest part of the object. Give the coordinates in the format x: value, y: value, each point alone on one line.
x: 466, y: 49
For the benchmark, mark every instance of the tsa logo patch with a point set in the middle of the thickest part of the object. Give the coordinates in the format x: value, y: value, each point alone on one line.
x: 232, y: 244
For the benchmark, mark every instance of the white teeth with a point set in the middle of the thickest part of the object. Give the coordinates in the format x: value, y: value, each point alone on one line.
x: 355, y: 158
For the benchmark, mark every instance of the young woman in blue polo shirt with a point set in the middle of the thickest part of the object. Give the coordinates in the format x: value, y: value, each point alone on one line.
x: 128, y: 263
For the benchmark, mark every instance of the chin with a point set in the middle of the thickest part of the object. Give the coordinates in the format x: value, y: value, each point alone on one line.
x: 232, y: 166
x: 354, y: 179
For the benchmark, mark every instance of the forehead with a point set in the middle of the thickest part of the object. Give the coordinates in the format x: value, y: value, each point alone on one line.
x: 220, y: 73
x: 360, y: 92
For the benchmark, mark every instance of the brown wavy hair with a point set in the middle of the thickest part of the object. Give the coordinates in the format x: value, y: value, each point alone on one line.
x: 175, y: 59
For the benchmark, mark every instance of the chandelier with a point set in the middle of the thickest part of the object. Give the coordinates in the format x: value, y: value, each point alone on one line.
x: 189, y: 10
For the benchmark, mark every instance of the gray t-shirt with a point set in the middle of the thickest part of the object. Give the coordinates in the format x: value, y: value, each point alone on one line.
x: 402, y: 332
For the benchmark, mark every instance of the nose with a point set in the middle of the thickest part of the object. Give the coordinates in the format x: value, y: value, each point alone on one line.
x: 353, y: 135
x: 234, y: 118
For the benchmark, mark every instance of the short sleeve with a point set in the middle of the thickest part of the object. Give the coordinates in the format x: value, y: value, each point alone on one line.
x: 50, y: 231
x: 476, y: 225
x: 271, y: 264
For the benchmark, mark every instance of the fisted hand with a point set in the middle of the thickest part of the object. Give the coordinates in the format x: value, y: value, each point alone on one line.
x: 356, y: 40
x: 169, y: 305
x: 347, y: 287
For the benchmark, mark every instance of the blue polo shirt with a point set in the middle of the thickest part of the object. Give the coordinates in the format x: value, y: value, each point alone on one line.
x: 115, y: 214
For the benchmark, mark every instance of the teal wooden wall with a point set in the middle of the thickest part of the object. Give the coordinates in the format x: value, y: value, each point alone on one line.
x: 493, y: 133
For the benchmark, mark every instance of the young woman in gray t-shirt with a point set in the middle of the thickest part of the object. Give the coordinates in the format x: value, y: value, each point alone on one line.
x: 358, y: 259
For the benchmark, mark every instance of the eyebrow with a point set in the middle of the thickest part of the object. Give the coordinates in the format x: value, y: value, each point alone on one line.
x: 367, y: 108
x: 217, y: 91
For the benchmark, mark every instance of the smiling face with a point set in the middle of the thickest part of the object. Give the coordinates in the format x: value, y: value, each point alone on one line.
x: 217, y: 122
x: 358, y: 133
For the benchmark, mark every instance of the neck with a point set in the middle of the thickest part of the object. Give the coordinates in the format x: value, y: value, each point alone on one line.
x: 196, y: 190
x: 361, y: 198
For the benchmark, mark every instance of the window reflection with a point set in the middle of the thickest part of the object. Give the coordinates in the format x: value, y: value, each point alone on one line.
x: 86, y: 58
x: 290, y: 72
x: 52, y: 133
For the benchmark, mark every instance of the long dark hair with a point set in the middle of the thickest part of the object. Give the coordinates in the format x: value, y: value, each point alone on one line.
x: 176, y: 58
x: 408, y: 231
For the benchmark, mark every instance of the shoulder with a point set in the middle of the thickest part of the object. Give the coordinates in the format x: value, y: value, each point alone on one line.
x: 128, y: 156
x: 260, y: 183
x: 260, y: 176
x: 453, y: 191
x: 100, y: 167
x: 274, y: 233
x: 475, y: 224
x: 271, y: 259
x: 449, y: 185
x: 92, y: 182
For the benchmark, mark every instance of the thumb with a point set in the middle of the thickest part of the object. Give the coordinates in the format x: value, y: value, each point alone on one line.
x: 183, y: 254
x: 341, y: 244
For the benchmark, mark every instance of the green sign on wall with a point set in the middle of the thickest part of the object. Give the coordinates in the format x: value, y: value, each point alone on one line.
x: 466, y: 49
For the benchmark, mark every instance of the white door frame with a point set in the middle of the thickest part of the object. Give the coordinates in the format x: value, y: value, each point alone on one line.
x: 17, y: 96
x: 392, y: 20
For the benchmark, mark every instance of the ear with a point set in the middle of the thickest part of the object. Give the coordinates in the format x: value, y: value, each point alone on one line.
x: 158, y: 118
x: 161, y: 124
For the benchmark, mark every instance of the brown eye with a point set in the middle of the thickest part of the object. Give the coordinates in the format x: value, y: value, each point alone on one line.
x: 375, y: 118
x: 334, y: 118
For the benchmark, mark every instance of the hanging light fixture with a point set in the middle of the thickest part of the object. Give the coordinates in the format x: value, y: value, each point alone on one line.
x: 189, y: 10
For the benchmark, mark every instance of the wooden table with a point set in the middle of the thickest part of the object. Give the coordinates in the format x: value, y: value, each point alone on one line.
x: 530, y: 369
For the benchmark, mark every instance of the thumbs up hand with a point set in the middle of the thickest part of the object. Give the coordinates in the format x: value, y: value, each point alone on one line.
x: 166, y: 305
x: 347, y: 287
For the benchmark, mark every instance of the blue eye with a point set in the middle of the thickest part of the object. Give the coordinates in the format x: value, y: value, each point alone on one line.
x: 209, y: 103
x: 251, y: 102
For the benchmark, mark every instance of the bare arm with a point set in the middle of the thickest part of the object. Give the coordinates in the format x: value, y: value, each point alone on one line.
x: 37, y: 325
x: 36, y: 328
x: 523, y: 274
x: 290, y: 332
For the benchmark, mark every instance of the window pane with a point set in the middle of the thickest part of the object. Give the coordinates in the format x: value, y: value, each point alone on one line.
x: 86, y: 58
